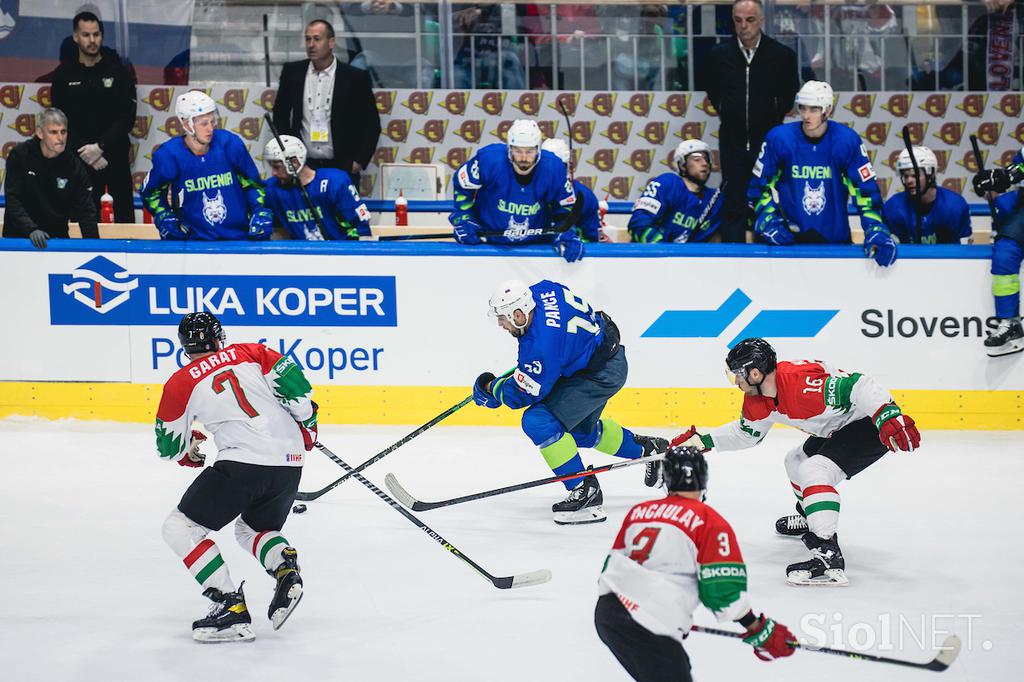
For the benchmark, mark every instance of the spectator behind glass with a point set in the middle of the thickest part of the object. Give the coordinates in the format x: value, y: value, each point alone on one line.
x: 636, y: 58
x: 390, y: 59
x: 994, y: 50
x: 485, y: 35
x: 47, y: 185
x: 97, y: 93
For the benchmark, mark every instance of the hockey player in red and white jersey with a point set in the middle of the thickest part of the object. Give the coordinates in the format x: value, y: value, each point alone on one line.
x: 670, y: 555
x: 257, y: 405
x: 852, y: 423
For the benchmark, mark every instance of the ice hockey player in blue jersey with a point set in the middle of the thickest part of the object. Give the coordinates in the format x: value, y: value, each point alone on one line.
x: 516, y: 190
x: 679, y: 207
x: 936, y: 215
x: 1007, y: 253
x: 213, y: 182
x: 588, y: 212
x: 570, y: 363
x: 343, y: 215
x: 814, y: 166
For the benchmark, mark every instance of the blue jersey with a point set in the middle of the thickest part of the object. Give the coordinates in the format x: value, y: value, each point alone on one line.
x: 216, y: 191
x: 563, y: 335
x: 948, y: 221
x: 589, y: 212
x: 668, y: 211
x: 489, y: 195
x: 814, y: 182
x: 342, y: 212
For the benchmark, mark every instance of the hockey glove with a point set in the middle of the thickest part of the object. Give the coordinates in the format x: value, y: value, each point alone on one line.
x: 467, y: 233
x: 770, y: 640
x: 194, y: 458
x: 773, y: 230
x: 170, y: 227
x: 993, y: 180
x: 261, y: 224
x: 482, y: 393
x: 881, y: 246
x: 896, y: 430
x: 38, y: 238
x: 309, y: 428
x: 569, y: 246
x: 692, y: 439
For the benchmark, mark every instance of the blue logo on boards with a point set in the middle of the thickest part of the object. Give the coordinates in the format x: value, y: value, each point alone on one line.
x: 699, y: 324
x: 101, y: 292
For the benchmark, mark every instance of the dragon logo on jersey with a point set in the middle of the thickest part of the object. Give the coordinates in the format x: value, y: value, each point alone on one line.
x: 100, y: 284
x: 814, y: 198
x: 214, y: 210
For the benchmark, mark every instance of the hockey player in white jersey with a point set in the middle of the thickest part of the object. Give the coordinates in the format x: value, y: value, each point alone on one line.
x: 257, y: 405
x: 670, y: 555
x: 852, y: 422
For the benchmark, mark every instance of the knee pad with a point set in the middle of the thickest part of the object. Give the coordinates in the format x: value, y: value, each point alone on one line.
x: 1006, y: 257
x: 245, y: 535
x: 794, y: 458
x: 541, y: 426
x: 182, y: 534
x: 819, y: 470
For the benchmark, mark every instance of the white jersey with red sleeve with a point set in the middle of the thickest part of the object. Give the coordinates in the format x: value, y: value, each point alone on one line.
x: 813, y: 396
x: 248, y: 397
x: 670, y: 555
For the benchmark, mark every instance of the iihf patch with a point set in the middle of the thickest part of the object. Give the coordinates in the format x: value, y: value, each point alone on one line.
x: 293, y: 458
x: 866, y: 172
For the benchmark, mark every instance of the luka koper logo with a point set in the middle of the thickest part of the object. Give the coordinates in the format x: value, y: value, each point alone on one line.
x: 398, y: 129
x: 640, y: 160
x: 493, y: 103
x: 877, y: 132
x: 567, y: 100
x: 951, y: 132
x: 385, y: 155
x: 618, y: 132
x: 676, y: 104
x: 234, y: 99
x: 455, y: 102
x: 861, y: 105
x: 385, y: 100
x: 266, y: 99
x: 582, y: 131
x: 619, y: 187
x: 602, y: 103
x: 457, y: 156
x: 973, y: 105
x: 654, y: 132
x: 899, y: 105
x: 419, y: 101
x: 1011, y: 105
x: 604, y: 159
x: 530, y: 103
x: 691, y: 130
x: 420, y: 155
x: 471, y: 130
x: 10, y: 96
x: 43, y: 97
x: 434, y: 130
x: 639, y: 104
x: 250, y: 127
x: 936, y: 105
x: 24, y: 125
x: 159, y: 98
x: 989, y: 132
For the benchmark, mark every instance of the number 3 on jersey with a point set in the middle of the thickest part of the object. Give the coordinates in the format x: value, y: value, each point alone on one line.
x: 228, y: 377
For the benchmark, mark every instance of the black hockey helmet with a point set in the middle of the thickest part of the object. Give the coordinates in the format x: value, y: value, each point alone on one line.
x: 748, y: 354
x: 199, y: 333
x: 684, y: 468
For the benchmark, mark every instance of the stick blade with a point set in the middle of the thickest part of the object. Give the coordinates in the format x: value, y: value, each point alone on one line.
x: 523, y: 579
x: 400, y: 493
x: 949, y: 650
x: 305, y: 497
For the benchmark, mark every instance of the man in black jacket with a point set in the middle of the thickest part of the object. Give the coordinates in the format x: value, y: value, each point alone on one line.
x: 328, y: 105
x: 751, y: 81
x: 97, y: 93
x: 47, y: 185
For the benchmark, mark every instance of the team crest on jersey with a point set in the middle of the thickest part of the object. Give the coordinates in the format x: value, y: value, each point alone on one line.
x: 517, y: 229
x: 214, y: 210
x: 814, y: 198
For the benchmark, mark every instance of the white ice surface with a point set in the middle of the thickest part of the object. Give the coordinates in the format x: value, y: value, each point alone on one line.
x: 91, y: 592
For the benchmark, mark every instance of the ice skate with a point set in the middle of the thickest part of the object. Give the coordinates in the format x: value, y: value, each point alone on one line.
x: 825, y: 567
x: 288, y: 592
x: 652, y: 445
x: 228, y: 620
x: 583, y: 505
x: 1008, y: 338
x: 794, y: 525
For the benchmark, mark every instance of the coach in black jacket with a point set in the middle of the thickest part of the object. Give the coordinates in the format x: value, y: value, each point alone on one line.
x: 752, y: 81
x: 340, y: 125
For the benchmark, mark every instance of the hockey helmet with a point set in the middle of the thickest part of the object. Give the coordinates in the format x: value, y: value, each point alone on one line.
x: 925, y: 158
x: 192, y: 104
x: 687, y: 147
x: 816, y: 94
x: 748, y: 354
x: 510, y: 296
x: 293, y: 148
x: 200, y: 332
x: 558, y: 147
x: 684, y: 468
x: 524, y: 134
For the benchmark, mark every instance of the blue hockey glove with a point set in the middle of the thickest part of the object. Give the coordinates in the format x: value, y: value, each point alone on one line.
x: 881, y: 246
x: 170, y: 227
x: 773, y: 230
x: 466, y: 233
x: 569, y: 246
x: 261, y: 224
x: 482, y: 394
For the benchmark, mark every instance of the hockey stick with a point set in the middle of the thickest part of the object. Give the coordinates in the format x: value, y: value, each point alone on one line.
x: 502, y: 583
x: 418, y: 505
x: 948, y: 652
x: 988, y: 196
x: 294, y: 172
x: 309, y: 497
x: 266, y: 54
x: 918, y: 194
x: 441, y: 235
x: 568, y: 132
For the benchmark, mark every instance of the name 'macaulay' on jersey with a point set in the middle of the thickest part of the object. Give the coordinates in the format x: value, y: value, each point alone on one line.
x: 813, y: 396
x: 247, y: 396
x: 671, y: 555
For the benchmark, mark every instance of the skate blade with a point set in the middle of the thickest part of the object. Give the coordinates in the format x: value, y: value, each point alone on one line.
x: 578, y: 518
x: 1005, y: 349
x: 833, y: 577
x: 239, y: 632
x: 278, y: 618
x: 795, y: 534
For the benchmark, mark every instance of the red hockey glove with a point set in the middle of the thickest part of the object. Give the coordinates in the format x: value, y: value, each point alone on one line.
x: 692, y: 439
x: 194, y: 458
x: 308, y: 429
x: 896, y: 430
x: 770, y: 640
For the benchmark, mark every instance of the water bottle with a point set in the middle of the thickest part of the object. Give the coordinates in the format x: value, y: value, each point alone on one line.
x: 106, y: 207
x: 401, y: 210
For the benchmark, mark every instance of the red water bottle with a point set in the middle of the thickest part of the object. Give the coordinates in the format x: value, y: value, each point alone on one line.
x: 106, y: 207
x: 602, y: 209
x: 401, y: 210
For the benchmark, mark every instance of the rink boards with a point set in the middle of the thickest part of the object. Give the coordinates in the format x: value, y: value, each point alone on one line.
x: 395, y: 333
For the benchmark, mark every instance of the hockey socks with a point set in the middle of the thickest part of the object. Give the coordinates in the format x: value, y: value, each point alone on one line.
x: 618, y: 441
x: 207, y: 566
x: 267, y: 547
x: 564, y: 458
x: 821, y: 504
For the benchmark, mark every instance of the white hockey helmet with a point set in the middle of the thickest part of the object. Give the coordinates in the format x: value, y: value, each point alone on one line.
x: 191, y: 104
x: 687, y: 147
x: 558, y: 147
x: 925, y: 158
x: 293, y: 147
x: 524, y: 133
x: 816, y: 94
x: 510, y: 296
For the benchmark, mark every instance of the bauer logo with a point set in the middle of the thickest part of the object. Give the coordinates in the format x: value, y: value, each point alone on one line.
x: 101, y: 292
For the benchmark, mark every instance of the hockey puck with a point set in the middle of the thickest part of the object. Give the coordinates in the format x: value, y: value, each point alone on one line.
x: 299, y: 508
